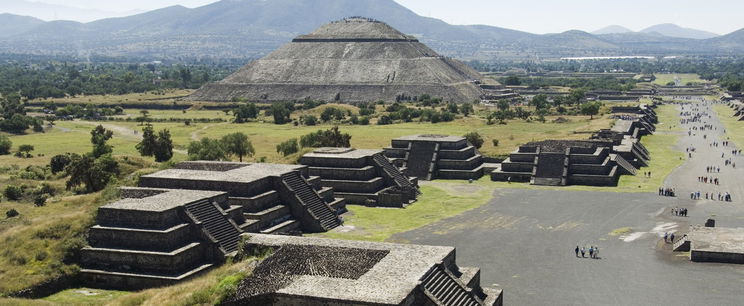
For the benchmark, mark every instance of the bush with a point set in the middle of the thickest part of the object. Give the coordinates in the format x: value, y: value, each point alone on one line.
x: 495, y: 142
x: 384, y: 120
x: 40, y: 200
x: 288, y: 147
x: 33, y: 173
x: 13, y: 192
x: 5, y: 145
x: 11, y: 213
x: 309, y: 120
x: 328, y: 138
x: 475, y: 139
x: 59, y: 162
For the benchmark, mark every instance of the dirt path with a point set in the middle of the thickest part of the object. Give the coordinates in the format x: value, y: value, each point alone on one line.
x: 195, y: 134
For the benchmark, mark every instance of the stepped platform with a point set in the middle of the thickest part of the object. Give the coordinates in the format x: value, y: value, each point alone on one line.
x: 363, y: 177
x: 254, y: 191
x: 429, y: 157
x: 565, y: 162
x: 713, y: 244
x: 150, y: 238
x: 316, y: 271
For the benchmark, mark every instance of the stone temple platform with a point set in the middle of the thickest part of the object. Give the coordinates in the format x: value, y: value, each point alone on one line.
x: 429, y: 157
x: 713, y: 244
x: 155, y: 237
x: 266, y: 198
x: 363, y: 177
x: 598, y: 161
x: 315, y: 271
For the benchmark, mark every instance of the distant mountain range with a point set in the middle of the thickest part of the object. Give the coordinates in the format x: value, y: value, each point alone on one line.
x: 666, y: 29
x: 47, y: 11
x: 251, y: 28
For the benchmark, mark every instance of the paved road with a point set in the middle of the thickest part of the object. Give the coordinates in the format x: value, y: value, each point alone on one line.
x: 524, y: 240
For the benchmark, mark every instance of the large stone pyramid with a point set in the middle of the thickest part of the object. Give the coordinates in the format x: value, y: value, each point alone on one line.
x: 351, y: 60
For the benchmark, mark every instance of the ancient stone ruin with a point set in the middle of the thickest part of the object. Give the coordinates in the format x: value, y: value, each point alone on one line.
x: 429, y: 157
x: 598, y: 161
x: 314, y: 271
x: 184, y: 220
x: 712, y: 244
x: 364, y: 177
x: 351, y: 60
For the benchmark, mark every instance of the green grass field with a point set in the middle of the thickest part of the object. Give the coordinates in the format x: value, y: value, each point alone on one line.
x: 734, y: 127
x: 664, y: 78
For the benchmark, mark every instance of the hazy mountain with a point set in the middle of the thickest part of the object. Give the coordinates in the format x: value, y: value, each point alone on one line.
x: 673, y: 30
x: 613, y: 29
x: 47, y: 11
x: 13, y: 24
x: 251, y: 28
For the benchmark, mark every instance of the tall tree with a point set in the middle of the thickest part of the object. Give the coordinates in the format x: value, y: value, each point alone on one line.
x: 163, y: 146
x: 207, y: 149
x: 99, y: 136
x: 146, y: 147
x: 238, y: 144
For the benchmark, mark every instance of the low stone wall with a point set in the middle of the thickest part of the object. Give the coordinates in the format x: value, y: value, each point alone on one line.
x: 356, y: 174
x: 181, y: 261
x: 313, y: 161
x: 236, y: 189
x: 137, y: 218
x: 597, y: 169
x: 463, y: 153
x: 468, y: 164
x: 592, y: 180
x: 722, y: 257
x: 127, y: 238
x: 449, y: 174
x: 370, y: 186
x: 517, y: 167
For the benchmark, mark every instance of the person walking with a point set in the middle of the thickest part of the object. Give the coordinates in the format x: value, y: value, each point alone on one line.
x: 596, y: 252
x: 577, y: 251
x: 671, y: 238
x: 583, y: 251
x: 591, y: 252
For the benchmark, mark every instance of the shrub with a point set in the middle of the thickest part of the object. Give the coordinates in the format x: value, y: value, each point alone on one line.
x: 59, y: 162
x: 328, y: 138
x: 40, y: 200
x: 309, y: 120
x: 13, y: 192
x: 475, y: 139
x: 11, y: 213
x: 33, y: 173
x: 495, y: 142
x: 384, y: 120
x: 5, y: 145
x: 288, y: 147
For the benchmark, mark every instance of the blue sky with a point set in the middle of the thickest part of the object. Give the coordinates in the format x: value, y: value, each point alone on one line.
x: 536, y: 16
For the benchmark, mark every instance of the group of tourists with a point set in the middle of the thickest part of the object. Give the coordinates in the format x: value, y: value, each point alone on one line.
x: 713, y: 169
x: 729, y: 162
x: 647, y: 173
x: 593, y: 252
x: 696, y: 195
x: 669, y: 238
x: 708, y: 180
x: 667, y: 192
x: 680, y: 212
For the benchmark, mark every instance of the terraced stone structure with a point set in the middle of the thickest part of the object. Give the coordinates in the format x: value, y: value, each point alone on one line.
x: 712, y: 244
x: 429, y: 157
x: 315, y: 271
x: 266, y: 198
x: 364, y: 177
x: 738, y: 108
x: 155, y: 237
x: 351, y: 60
x: 564, y: 162
x: 598, y: 161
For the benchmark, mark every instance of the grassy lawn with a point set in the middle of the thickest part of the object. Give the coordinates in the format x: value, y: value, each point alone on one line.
x: 734, y: 127
x: 439, y: 200
x: 664, y: 78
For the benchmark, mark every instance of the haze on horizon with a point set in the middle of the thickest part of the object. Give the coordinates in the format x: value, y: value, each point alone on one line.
x: 534, y: 16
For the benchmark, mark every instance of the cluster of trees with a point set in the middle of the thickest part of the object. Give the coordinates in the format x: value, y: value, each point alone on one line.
x: 326, y: 138
x: 235, y: 144
x: 51, y: 79
x: 87, y: 112
x: 13, y: 117
x: 160, y: 146
x: 400, y: 112
x: 604, y: 82
x: 93, y: 170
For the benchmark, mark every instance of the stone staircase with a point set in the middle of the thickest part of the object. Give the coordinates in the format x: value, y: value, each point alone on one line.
x: 392, y: 171
x: 624, y: 164
x: 311, y: 200
x: 551, y: 169
x: 420, y: 158
x: 445, y: 289
x: 216, y: 224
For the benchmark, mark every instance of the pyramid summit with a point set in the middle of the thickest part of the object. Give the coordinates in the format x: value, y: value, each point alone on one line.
x: 352, y: 60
